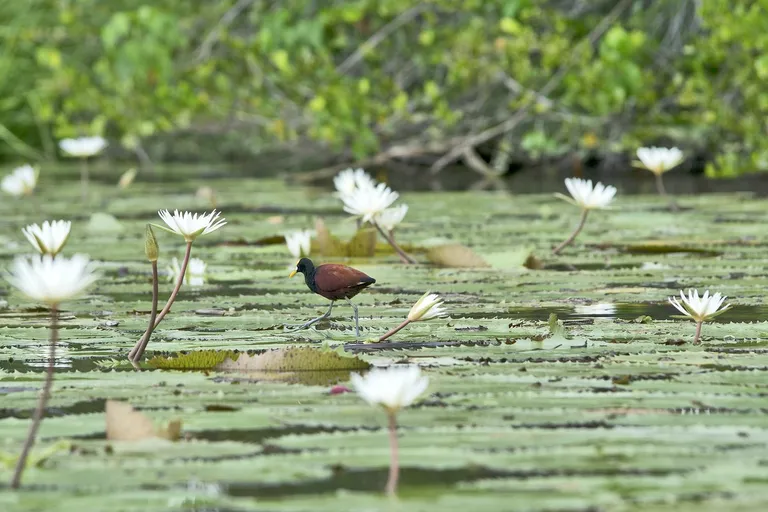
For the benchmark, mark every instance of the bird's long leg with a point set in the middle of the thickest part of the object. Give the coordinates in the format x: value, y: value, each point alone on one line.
x: 313, y: 321
x: 357, y: 317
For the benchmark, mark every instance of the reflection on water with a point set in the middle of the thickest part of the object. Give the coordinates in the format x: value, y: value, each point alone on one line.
x: 412, y: 480
x: 632, y: 310
x: 598, y: 309
x: 38, y: 356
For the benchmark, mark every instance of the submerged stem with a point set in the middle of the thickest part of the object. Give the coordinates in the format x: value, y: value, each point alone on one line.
x: 138, y: 350
x: 697, y: 336
x: 571, y: 238
x: 404, y: 257
x: 45, y: 394
x: 394, y: 464
x: 396, y: 329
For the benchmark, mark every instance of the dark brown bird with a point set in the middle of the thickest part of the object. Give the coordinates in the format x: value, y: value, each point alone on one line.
x: 333, y: 282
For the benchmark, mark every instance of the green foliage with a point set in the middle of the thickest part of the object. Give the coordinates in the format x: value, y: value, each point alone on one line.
x: 359, y: 76
x: 194, y: 360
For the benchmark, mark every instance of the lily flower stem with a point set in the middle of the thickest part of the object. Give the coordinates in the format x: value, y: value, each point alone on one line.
x: 176, y: 288
x: 138, y: 351
x: 575, y: 233
x: 400, y: 252
x: 394, y: 464
x: 84, y: 178
x: 663, y: 192
x: 45, y: 394
x: 396, y: 329
x: 697, y: 336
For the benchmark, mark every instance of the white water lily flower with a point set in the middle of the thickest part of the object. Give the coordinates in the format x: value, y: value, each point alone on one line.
x: 700, y: 308
x: 429, y: 306
x: 349, y: 180
x: 48, y: 238
x: 191, y: 225
x: 659, y: 160
x: 52, y: 280
x: 21, y: 181
x: 370, y: 201
x: 299, y: 243
x: 195, y: 275
x: 393, y: 388
x: 83, y: 147
x: 586, y: 196
x: 391, y: 217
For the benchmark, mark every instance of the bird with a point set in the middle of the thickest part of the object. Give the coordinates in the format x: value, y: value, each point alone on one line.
x: 334, y: 282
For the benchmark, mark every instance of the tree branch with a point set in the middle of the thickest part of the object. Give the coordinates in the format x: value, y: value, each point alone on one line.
x: 380, y: 35
x: 551, y: 85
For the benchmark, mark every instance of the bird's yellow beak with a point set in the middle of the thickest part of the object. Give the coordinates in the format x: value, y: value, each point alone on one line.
x: 292, y: 273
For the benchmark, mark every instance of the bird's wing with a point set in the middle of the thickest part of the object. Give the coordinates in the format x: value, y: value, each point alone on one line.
x: 330, y: 277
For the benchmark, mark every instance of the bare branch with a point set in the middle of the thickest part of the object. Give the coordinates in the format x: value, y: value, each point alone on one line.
x: 376, y: 39
x: 551, y: 85
x: 204, y: 51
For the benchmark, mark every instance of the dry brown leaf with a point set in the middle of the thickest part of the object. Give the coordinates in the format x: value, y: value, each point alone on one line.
x: 124, y: 423
x: 456, y: 256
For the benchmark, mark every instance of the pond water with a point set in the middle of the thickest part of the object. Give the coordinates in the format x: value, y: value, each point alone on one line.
x: 605, y: 406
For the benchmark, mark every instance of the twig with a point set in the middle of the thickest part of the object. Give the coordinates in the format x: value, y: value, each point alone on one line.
x: 477, y: 164
x: 399, y: 151
x: 551, y: 85
x: 204, y: 51
x: 380, y: 35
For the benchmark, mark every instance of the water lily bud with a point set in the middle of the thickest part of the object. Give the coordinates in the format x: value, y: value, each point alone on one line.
x: 151, y: 249
x: 127, y: 178
x: 429, y: 306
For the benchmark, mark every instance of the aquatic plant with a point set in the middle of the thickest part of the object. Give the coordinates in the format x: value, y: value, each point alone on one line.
x: 586, y: 197
x: 700, y: 309
x: 50, y: 281
x: 190, y: 226
x: 48, y: 238
x: 83, y: 148
x: 429, y: 306
x: 392, y: 389
x: 21, y: 181
x: 658, y: 161
x: 370, y: 202
x: 299, y: 243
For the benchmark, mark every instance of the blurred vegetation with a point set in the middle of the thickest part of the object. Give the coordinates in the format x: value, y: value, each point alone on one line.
x: 373, y: 80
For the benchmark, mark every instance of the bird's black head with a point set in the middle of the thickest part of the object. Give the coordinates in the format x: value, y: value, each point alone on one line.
x: 305, y: 266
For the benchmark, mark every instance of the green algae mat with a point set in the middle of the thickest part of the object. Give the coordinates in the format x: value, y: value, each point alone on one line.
x: 607, y: 405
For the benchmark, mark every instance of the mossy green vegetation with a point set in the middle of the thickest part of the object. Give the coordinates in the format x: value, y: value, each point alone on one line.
x: 605, y: 405
x: 362, y: 79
